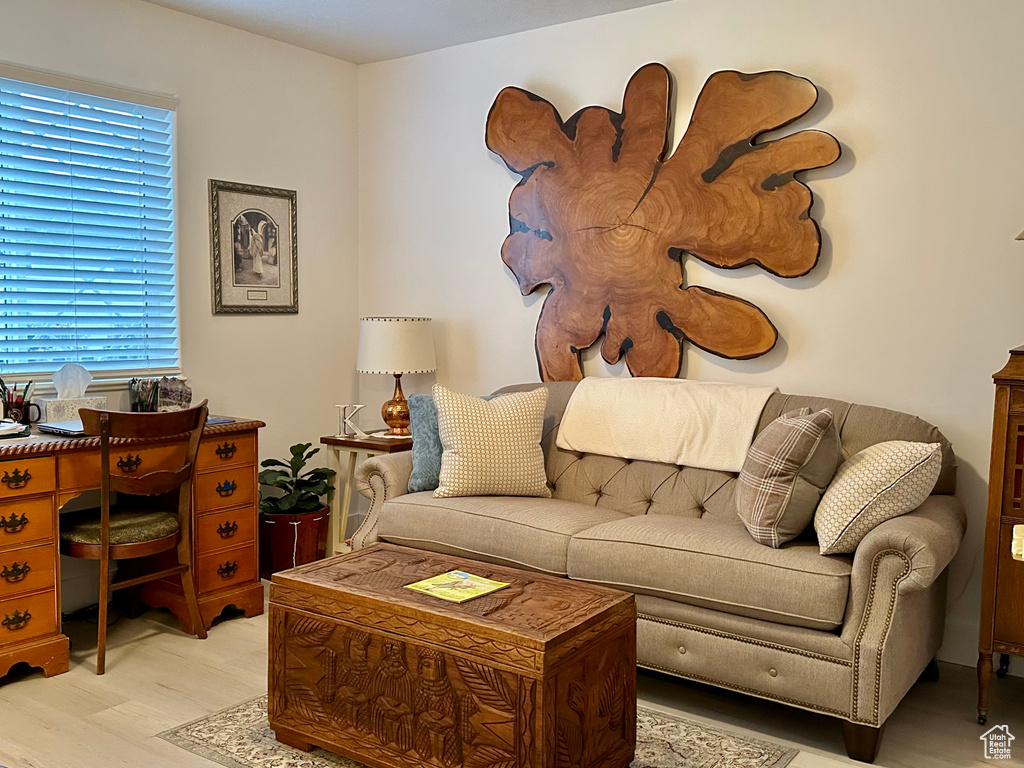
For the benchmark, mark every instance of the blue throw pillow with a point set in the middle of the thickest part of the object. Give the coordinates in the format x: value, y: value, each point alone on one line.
x: 426, y: 442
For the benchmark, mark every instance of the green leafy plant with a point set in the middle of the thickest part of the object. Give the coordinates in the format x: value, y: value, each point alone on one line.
x: 302, y: 491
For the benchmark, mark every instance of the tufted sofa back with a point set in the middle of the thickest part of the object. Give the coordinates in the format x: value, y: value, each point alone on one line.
x: 641, y: 487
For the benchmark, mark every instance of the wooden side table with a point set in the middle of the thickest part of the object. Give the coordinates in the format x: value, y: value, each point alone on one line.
x: 340, y: 503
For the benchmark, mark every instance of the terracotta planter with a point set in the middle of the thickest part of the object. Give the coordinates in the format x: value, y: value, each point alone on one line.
x: 290, y: 540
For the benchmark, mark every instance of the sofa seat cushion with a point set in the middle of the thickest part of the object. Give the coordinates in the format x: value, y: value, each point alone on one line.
x: 714, y: 564
x: 524, y: 532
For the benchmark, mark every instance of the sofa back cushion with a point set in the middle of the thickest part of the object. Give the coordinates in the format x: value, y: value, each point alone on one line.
x: 640, y: 487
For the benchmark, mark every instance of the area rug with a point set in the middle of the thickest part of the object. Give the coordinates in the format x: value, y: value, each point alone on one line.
x: 239, y: 737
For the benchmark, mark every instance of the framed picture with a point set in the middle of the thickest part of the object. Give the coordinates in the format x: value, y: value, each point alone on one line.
x: 255, y: 253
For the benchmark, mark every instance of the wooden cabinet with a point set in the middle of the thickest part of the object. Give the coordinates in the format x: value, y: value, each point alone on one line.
x: 29, y: 587
x: 224, y: 515
x: 41, y: 474
x: 1002, y: 598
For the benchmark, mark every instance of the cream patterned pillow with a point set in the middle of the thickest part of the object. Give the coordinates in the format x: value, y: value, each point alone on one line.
x: 881, y: 482
x: 491, y: 448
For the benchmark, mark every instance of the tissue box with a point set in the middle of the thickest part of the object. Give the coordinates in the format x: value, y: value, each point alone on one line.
x: 65, y: 410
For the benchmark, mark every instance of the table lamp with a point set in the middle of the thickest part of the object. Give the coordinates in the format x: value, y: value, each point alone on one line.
x: 396, y: 345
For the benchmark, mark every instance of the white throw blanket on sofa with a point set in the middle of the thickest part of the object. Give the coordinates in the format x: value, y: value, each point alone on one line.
x: 702, y: 424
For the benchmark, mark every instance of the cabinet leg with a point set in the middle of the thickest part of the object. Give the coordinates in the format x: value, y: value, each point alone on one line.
x: 861, y: 741
x: 1004, y: 665
x: 984, y: 683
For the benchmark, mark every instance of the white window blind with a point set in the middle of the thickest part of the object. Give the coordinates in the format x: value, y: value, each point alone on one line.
x: 87, y: 272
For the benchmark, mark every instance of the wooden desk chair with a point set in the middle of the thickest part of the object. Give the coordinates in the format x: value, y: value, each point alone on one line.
x: 134, y: 528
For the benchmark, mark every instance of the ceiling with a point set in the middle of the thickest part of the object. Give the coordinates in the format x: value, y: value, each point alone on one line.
x: 363, y: 31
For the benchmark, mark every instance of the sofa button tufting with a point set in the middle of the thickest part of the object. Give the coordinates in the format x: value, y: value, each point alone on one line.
x: 682, y: 649
x: 773, y: 672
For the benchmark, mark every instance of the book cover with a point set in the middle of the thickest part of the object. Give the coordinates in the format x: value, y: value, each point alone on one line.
x: 457, y: 586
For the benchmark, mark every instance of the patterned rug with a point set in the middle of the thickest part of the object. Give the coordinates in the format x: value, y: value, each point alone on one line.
x: 240, y: 737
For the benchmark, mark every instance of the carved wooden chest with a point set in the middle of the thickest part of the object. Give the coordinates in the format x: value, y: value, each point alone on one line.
x: 541, y: 674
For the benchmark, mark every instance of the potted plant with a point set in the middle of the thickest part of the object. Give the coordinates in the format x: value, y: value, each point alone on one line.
x: 293, y: 523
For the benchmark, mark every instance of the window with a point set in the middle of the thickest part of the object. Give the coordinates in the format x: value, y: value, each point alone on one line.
x: 87, y: 259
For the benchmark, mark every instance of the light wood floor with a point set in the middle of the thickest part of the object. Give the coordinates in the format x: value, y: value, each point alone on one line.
x: 158, y: 677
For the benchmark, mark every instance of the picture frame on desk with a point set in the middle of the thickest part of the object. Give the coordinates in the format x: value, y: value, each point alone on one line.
x: 254, y: 245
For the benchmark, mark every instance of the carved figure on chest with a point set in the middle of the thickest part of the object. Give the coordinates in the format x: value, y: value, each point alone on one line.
x: 351, y: 705
x: 437, y: 711
x: 391, y: 686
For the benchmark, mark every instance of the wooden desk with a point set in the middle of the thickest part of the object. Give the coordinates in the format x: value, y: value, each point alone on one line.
x: 40, y: 474
x: 340, y: 504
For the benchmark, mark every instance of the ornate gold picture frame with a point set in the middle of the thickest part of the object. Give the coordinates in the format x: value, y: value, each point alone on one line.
x: 254, y: 246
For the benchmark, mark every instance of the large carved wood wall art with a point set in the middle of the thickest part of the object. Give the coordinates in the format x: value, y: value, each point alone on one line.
x: 606, y: 220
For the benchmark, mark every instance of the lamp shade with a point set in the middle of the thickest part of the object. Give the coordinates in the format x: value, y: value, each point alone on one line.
x: 395, y: 345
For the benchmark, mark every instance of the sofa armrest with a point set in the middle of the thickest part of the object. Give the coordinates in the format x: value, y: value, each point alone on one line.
x: 380, y: 478
x: 896, y: 609
x: 929, y: 537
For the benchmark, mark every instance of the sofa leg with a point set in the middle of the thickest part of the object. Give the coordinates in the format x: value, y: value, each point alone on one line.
x: 1004, y: 665
x: 861, y: 741
x: 931, y: 672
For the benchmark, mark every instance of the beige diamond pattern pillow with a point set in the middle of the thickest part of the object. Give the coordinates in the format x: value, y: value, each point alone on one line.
x: 491, y: 448
x: 881, y: 482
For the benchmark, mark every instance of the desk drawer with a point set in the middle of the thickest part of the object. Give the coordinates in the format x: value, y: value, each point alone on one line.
x: 22, y: 477
x: 221, y: 530
x: 224, y: 488
x: 228, y: 568
x: 25, y: 521
x: 224, y: 451
x: 82, y: 470
x: 26, y: 570
x: 28, y: 616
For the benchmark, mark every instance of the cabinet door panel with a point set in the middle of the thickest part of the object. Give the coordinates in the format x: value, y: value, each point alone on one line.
x: 26, y: 616
x: 227, y: 568
x: 25, y: 521
x: 82, y: 470
x: 1009, y: 592
x: 224, y: 488
x: 224, y: 530
x: 227, y: 450
x: 25, y: 477
x: 27, y: 569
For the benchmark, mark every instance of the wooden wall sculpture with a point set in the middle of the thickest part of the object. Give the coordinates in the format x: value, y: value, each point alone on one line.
x: 605, y: 219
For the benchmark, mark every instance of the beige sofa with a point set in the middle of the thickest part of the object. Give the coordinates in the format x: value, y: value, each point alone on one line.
x: 845, y: 635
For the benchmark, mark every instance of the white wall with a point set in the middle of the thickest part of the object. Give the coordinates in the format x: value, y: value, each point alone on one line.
x: 917, y: 297
x: 250, y: 110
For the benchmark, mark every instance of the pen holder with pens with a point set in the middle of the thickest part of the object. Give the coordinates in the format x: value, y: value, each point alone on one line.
x: 21, y: 411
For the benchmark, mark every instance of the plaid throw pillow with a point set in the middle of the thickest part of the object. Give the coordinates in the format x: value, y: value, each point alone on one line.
x: 491, y: 448
x: 787, y: 469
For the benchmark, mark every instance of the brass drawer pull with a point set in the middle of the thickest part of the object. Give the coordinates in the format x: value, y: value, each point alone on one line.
x: 1017, y: 543
x: 226, y: 451
x: 129, y: 463
x: 227, y: 570
x: 18, y: 479
x: 17, y: 621
x: 15, y: 572
x: 226, y: 488
x: 13, y: 524
x: 227, y: 530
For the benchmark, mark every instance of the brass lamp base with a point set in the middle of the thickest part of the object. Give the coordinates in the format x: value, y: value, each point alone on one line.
x: 395, y: 411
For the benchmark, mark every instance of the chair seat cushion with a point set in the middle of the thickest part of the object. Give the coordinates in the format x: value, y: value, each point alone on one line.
x: 714, y: 564
x: 525, y: 532
x: 126, y: 526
